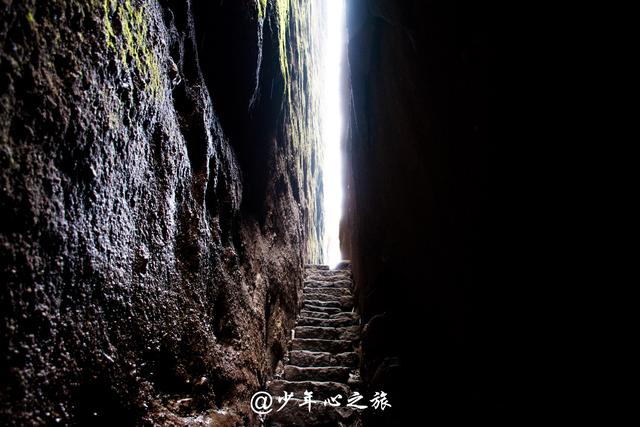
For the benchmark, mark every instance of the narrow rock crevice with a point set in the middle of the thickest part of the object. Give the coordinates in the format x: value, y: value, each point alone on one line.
x: 163, y: 203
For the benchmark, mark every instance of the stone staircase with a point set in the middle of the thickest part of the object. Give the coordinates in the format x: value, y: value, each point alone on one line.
x: 324, y: 354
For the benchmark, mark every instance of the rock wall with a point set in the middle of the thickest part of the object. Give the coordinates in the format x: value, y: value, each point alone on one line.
x: 427, y: 224
x: 159, y: 189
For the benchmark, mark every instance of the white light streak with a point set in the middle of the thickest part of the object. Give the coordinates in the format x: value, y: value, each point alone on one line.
x: 332, y: 125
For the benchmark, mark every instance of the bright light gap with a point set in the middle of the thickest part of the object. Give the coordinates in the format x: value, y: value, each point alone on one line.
x: 332, y: 124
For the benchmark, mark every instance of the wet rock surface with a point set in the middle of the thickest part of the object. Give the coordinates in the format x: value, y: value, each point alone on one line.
x: 323, y: 360
x: 150, y: 262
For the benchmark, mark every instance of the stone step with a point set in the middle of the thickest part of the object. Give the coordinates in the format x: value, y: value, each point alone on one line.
x: 329, y: 310
x: 319, y: 303
x: 326, y: 280
x: 314, y: 314
x: 319, y: 358
x: 316, y: 373
x: 340, y: 284
x: 328, y: 273
x: 322, y: 358
x: 319, y: 414
x: 343, y: 306
x: 321, y: 296
x: 314, y: 344
x: 305, y: 312
x: 316, y: 321
x: 337, y: 292
x: 316, y: 267
x: 346, y: 315
x: 320, y: 389
x: 330, y: 276
x: 328, y: 333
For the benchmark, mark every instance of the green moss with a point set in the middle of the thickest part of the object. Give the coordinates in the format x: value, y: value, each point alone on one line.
x: 282, y: 10
x: 108, y: 28
x: 132, y: 43
x: 262, y: 8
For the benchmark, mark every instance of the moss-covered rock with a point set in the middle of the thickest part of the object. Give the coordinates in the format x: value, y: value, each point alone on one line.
x: 138, y: 284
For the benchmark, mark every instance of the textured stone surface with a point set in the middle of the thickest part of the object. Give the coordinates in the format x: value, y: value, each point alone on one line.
x: 318, y: 303
x: 334, y: 291
x: 324, y: 364
x: 324, y: 299
x: 315, y: 314
x: 328, y: 332
x: 316, y: 373
x: 335, y: 322
x: 321, y: 309
x: 314, y: 358
x: 322, y: 283
x: 159, y: 191
x: 332, y: 346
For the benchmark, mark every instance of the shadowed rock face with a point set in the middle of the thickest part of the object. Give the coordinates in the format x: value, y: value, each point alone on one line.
x: 427, y: 223
x: 152, y: 244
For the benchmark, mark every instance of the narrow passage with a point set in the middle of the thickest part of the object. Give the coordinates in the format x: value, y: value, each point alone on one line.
x: 324, y: 354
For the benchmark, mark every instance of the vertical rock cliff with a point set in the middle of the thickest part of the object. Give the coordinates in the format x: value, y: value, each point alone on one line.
x: 160, y: 195
x: 428, y: 222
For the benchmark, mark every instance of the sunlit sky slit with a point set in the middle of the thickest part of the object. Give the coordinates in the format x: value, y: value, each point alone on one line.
x: 331, y: 125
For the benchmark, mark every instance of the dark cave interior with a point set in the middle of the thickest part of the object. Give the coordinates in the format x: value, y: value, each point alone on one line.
x: 162, y: 193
